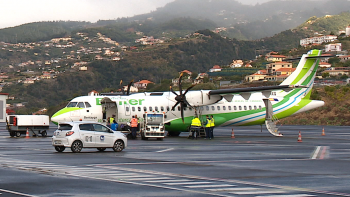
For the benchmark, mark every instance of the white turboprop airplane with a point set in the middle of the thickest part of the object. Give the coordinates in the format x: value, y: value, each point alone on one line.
x: 230, y: 107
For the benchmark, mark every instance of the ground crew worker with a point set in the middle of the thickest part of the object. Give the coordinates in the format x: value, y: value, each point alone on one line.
x: 195, y: 126
x: 133, y: 125
x: 212, y: 125
x: 111, y: 120
x: 207, y: 127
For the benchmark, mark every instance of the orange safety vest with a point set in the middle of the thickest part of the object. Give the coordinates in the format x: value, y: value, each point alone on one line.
x: 133, y: 122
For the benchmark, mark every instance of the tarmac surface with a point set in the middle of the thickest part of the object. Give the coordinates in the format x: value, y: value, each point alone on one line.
x: 253, y: 163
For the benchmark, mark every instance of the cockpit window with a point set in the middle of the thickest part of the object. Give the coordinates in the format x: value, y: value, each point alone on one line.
x: 87, y: 104
x: 81, y: 105
x: 72, y: 104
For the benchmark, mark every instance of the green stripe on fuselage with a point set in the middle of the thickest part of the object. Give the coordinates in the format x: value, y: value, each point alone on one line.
x: 66, y: 110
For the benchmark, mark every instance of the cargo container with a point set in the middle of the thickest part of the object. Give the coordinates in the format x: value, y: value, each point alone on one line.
x: 34, y: 124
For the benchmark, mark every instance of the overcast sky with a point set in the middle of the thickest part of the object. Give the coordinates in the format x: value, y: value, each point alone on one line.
x: 17, y: 12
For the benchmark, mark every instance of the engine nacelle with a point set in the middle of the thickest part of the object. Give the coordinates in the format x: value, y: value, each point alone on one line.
x: 202, y: 98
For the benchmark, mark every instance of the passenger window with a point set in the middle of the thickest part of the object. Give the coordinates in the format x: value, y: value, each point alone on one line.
x: 127, y: 109
x: 85, y: 127
x: 212, y: 108
x: 72, y: 104
x: 207, y: 108
x: 138, y: 108
x: 254, y: 107
x: 229, y: 108
x: 150, y: 109
x: 234, y: 108
x: 218, y: 108
x: 223, y: 107
x: 87, y: 104
x: 144, y: 108
x: 167, y: 108
x: 240, y: 108
x: 156, y: 108
x: 133, y: 108
x: 260, y: 107
x: 161, y: 108
x: 178, y: 108
x: 100, y: 128
x: 250, y: 107
x: 190, y: 108
x: 185, y: 108
x: 245, y: 107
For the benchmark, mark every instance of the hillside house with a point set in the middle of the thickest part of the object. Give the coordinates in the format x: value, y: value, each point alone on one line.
x: 255, y: 77
x: 336, y: 71
x: 284, y: 71
x: 317, y: 40
x: 324, y: 65
x: 93, y: 93
x: 344, y: 58
x: 333, y: 47
x: 142, y: 84
x: 272, y: 67
x: 215, y: 68
x: 275, y: 58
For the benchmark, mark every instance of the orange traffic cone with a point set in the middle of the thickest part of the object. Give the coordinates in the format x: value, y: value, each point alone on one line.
x: 232, y: 134
x: 299, y: 137
x: 323, y: 133
x: 27, y: 133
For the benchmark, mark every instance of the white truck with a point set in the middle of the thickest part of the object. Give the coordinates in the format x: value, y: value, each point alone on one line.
x: 153, y: 126
x: 35, y: 124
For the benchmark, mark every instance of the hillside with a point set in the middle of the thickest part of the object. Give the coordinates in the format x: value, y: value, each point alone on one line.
x: 181, y: 17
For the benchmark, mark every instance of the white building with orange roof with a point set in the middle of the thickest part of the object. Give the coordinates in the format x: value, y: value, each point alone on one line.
x: 142, y: 84
x: 215, y: 68
x: 275, y: 58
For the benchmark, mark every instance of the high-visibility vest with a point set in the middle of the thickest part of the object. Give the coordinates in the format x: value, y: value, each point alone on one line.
x: 212, y: 122
x: 208, y: 122
x: 133, y: 122
x: 111, y: 120
x: 196, y: 122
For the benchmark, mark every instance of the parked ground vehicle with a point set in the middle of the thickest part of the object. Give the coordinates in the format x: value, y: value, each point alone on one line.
x: 86, y: 134
x: 34, y: 124
x: 153, y: 126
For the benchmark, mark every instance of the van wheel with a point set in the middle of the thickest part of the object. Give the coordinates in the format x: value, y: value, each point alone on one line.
x: 76, y: 146
x: 12, y: 133
x: 101, y: 149
x: 18, y: 134
x: 118, y: 146
x: 60, y: 148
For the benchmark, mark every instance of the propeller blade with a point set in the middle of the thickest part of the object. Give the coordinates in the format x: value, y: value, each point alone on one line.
x: 129, y: 86
x: 180, y: 86
x: 190, y: 88
x: 182, y: 112
x: 171, y: 89
x: 121, y: 87
x: 173, y: 108
x: 188, y: 104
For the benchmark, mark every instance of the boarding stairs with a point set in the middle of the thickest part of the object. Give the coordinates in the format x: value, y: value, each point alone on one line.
x: 271, y: 119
